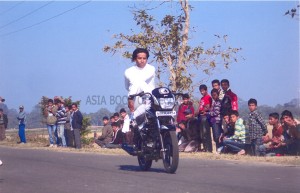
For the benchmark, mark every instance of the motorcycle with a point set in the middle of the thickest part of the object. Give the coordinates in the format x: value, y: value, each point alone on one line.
x: 156, y: 132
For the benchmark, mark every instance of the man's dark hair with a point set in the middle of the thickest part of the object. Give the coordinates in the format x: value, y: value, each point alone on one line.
x: 214, y: 91
x: 116, y: 124
x: 116, y: 114
x: 56, y: 101
x: 111, y: 117
x: 1, y: 110
x: 50, y: 100
x: 252, y: 101
x: 203, y: 86
x: 215, y: 81
x: 75, y: 104
x: 122, y: 110
x: 137, y: 51
x: 274, y: 115
x: 234, y: 112
x: 105, y: 118
x: 226, y: 114
x: 287, y: 113
x: 225, y: 81
x: 185, y: 96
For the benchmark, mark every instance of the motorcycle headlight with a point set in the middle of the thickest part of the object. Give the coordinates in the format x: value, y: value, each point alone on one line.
x: 167, y: 103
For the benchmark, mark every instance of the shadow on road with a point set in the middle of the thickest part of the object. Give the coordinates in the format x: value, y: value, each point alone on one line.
x: 138, y: 169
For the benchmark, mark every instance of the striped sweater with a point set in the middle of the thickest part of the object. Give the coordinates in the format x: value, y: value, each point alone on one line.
x: 239, y: 131
x: 61, y: 115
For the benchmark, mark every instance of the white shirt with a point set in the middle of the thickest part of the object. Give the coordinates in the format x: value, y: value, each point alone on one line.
x: 139, y: 79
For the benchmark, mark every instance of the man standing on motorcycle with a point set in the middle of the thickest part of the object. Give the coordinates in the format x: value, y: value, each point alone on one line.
x: 138, y: 78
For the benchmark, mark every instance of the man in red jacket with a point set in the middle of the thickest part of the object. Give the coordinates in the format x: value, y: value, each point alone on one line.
x: 228, y: 95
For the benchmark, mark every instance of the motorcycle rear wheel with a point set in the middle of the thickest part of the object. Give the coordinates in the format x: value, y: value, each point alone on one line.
x: 171, y: 158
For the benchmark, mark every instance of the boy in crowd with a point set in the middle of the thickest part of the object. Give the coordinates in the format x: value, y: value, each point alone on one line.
x: 189, y: 130
x: 76, y: 125
x: 49, y: 113
x: 257, y: 128
x: 117, y: 138
x: 215, y: 117
x: 236, y: 143
x: 22, y: 121
x: 230, y: 99
x: 125, y: 127
x: 186, y: 104
x: 228, y: 131
x: 61, y: 121
x: 68, y: 129
x: 291, y: 133
x: 217, y: 85
x: 274, y: 145
x: 204, y: 106
x: 107, y: 133
x: 3, y: 124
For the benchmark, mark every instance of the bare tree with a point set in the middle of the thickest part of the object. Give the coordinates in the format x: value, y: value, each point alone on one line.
x: 168, y: 41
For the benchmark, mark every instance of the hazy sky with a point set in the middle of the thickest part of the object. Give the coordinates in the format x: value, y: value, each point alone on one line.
x: 55, y: 48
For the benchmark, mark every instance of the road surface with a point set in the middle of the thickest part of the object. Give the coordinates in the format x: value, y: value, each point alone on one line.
x: 43, y: 171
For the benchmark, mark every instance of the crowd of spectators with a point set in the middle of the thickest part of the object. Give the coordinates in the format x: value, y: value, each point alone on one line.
x: 218, y: 117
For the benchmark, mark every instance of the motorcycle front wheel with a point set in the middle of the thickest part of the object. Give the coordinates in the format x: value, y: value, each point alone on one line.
x: 171, y: 158
x: 145, y: 164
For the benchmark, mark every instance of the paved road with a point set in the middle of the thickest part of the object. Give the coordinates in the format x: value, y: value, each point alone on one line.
x: 43, y: 171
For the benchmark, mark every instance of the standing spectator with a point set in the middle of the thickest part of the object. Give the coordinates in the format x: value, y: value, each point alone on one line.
x: 215, y: 117
x: 118, y: 136
x: 49, y: 113
x: 230, y: 99
x: 68, y: 130
x: 3, y: 106
x: 217, y: 85
x: 128, y: 134
x: 236, y: 143
x: 274, y: 145
x: 76, y: 125
x: 61, y: 121
x: 107, y: 133
x: 3, y: 124
x: 22, y: 122
x: 204, y: 106
x: 186, y: 104
x: 257, y: 128
x: 291, y: 133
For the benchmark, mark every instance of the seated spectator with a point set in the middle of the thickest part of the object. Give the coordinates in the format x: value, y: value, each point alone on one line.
x: 228, y: 131
x: 274, y: 145
x: 112, y: 119
x: 186, y: 104
x: 236, y: 143
x: 117, y: 138
x: 117, y: 119
x: 107, y: 133
x: 291, y: 133
x: 190, y: 133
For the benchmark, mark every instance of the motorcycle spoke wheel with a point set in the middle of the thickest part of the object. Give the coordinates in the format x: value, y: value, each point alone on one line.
x: 171, y: 157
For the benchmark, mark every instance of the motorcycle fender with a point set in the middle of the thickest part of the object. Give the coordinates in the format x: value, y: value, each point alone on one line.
x: 167, y: 128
